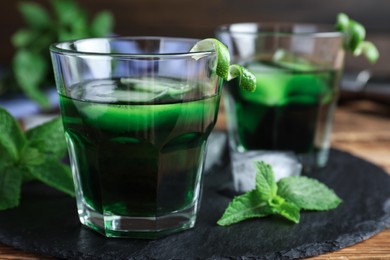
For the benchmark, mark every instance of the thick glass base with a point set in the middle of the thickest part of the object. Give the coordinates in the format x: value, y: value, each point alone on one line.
x: 137, y: 227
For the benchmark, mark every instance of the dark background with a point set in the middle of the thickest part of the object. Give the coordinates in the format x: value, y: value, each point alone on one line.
x: 199, y: 18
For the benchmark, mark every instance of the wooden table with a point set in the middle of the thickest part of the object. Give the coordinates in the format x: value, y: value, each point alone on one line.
x: 362, y: 128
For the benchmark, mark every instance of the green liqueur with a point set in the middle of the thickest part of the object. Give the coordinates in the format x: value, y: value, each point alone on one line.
x: 138, y: 144
x: 290, y: 110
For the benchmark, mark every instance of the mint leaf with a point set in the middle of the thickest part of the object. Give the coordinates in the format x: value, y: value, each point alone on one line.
x: 23, y: 38
x: 36, y: 158
x: 285, y: 198
x: 102, y: 24
x: 354, y: 38
x: 30, y: 70
x: 65, y: 10
x: 80, y: 27
x: 5, y: 158
x: 35, y: 15
x: 369, y: 50
x: 45, y: 142
x: 356, y: 34
x: 265, y: 181
x: 342, y: 22
x: 10, y: 184
x: 248, y: 205
x: 286, y: 209
x: 48, y: 139
x: 66, y: 21
x: 54, y: 174
x: 12, y: 138
x: 31, y: 156
x: 12, y: 141
x: 308, y: 193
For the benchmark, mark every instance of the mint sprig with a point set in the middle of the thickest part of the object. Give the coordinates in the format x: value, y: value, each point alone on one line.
x: 66, y: 20
x: 31, y: 155
x: 284, y: 198
x: 225, y: 70
x: 354, y: 39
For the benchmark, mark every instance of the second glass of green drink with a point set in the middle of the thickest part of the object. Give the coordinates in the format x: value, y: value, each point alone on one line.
x: 137, y: 113
x: 289, y: 117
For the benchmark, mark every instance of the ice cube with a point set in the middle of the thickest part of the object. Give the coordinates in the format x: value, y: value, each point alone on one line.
x: 159, y: 87
x: 284, y: 164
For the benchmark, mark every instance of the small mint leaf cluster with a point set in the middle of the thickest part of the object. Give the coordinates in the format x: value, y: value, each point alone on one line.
x: 225, y: 70
x: 354, y: 38
x: 31, y: 155
x: 285, y: 198
x: 66, y: 20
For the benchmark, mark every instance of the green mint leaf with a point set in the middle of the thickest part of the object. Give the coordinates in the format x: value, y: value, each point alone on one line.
x: 12, y: 138
x: 73, y: 22
x: 354, y: 38
x: 79, y: 27
x: 31, y: 156
x: 64, y: 34
x: 67, y: 11
x: 102, y: 24
x: 248, y: 205
x: 265, y: 181
x: 285, y: 209
x: 30, y: 70
x: 246, y: 79
x: 31, y: 60
x: 286, y: 198
x: 308, y: 193
x: 369, y: 50
x: 35, y: 15
x: 5, y: 158
x: 23, y: 38
x: 48, y: 139
x: 54, y: 174
x: 342, y: 22
x: 10, y: 184
x: 357, y: 33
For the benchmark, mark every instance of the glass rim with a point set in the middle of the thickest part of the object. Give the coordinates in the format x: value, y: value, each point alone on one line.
x: 278, y: 29
x: 55, y: 48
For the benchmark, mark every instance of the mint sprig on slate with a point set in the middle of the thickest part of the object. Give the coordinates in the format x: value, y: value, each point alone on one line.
x: 284, y: 198
x: 31, y: 155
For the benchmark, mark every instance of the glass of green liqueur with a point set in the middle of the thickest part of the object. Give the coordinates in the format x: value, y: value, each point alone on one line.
x: 288, y: 119
x: 137, y: 112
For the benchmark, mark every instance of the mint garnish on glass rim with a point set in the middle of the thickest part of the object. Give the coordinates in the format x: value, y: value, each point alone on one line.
x: 31, y: 155
x: 354, y: 40
x: 246, y: 79
x: 284, y: 198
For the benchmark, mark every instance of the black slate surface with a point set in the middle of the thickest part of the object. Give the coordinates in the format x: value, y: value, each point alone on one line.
x: 46, y: 222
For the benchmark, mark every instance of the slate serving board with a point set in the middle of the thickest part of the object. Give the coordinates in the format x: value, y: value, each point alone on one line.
x: 46, y: 222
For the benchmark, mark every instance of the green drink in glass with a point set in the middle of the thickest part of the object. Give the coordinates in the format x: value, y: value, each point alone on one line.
x: 297, y: 69
x: 137, y: 113
x: 285, y: 110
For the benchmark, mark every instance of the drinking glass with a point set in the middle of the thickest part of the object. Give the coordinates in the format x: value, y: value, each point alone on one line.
x: 288, y: 119
x: 137, y: 112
